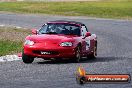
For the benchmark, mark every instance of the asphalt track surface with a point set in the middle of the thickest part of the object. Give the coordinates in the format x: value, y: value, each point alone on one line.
x: 114, y: 55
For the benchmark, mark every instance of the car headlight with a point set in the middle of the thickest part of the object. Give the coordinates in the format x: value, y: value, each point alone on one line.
x: 29, y: 42
x: 66, y: 44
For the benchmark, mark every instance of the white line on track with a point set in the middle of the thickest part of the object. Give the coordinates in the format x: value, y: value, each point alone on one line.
x: 2, y: 25
x: 18, y: 27
x: 9, y: 58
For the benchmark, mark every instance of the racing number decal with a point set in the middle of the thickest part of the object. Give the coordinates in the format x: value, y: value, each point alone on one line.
x: 87, y: 44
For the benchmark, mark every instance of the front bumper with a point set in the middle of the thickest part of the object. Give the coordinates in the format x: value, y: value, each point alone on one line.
x: 57, y: 52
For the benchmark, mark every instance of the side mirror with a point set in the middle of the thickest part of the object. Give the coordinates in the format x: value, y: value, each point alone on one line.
x: 34, y: 32
x: 88, y: 34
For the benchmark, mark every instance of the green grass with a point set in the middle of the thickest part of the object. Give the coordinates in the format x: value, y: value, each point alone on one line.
x: 9, y: 47
x: 105, y: 9
x: 11, y: 40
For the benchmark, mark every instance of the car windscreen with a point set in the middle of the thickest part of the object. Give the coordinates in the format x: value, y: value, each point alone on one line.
x: 60, y: 28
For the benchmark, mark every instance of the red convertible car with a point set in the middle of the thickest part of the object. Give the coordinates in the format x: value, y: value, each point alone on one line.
x: 58, y: 40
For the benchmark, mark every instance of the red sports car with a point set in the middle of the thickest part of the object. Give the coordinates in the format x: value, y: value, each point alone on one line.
x: 60, y: 40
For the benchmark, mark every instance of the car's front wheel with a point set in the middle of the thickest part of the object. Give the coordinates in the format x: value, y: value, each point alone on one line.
x: 27, y: 59
x: 77, y: 57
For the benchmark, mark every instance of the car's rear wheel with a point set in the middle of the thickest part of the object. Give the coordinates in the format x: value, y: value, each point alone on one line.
x: 77, y: 57
x: 94, y: 54
x: 27, y: 59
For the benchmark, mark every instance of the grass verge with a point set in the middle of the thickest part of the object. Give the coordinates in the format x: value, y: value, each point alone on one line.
x: 11, y: 40
x: 105, y: 9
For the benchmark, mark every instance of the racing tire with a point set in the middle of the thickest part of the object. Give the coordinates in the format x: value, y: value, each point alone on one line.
x: 77, y: 57
x: 94, y: 54
x: 27, y: 59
